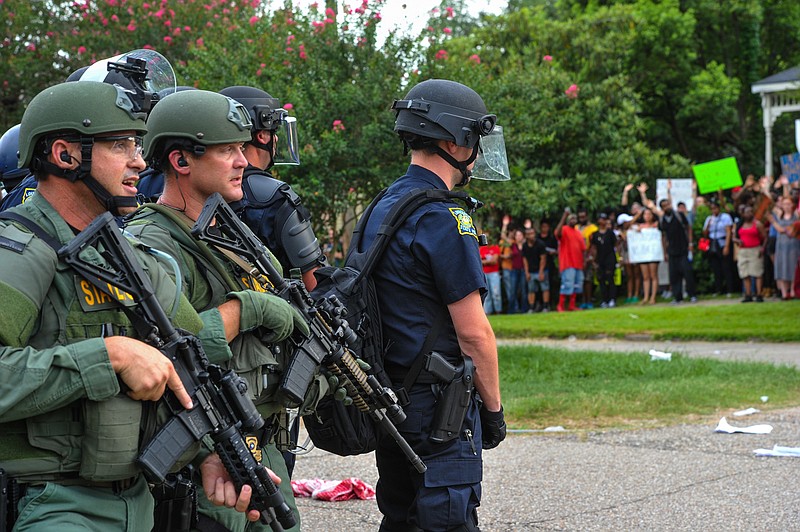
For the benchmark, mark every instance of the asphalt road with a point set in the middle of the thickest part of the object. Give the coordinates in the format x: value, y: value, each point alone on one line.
x: 684, y: 477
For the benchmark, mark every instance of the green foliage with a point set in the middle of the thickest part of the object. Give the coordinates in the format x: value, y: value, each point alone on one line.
x: 544, y: 387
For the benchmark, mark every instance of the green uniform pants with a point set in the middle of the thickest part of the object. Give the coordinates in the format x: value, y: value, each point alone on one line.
x: 80, y: 509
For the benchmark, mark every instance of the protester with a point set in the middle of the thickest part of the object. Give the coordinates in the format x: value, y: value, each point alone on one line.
x: 678, y: 243
x: 534, y: 255
x: 787, y: 246
x: 645, y: 219
x: 571, y: 250
x: 632, y: 272
x: 751, y: 237
x: 718, y: 228
x: 603, y: 253
x: 587, y: 229
x: 490, y: 258
x: 515, y: 278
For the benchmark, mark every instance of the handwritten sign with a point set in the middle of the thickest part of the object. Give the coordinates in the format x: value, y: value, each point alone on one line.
x: 645, y: 245
x: 790, y: 166
x: 715, y: 175
x: 680, y: 191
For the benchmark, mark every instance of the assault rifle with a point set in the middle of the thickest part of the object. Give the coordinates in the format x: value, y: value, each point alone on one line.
x: 222, y: 405
x: 330, y: 340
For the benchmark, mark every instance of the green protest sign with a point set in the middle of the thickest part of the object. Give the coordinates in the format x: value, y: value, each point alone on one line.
x: 715, y: 175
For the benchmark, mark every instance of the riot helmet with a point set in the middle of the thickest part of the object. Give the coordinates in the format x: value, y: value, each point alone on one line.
x: 267, y: 114
x: 78, y: 112
x: 143, y: 73
x: 439, y: 109
x: 192, y: 120
x: 10, y: 173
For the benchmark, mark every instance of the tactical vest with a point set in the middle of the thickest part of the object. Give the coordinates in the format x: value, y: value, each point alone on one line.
x: 259, y: 364
x: 97, y: 439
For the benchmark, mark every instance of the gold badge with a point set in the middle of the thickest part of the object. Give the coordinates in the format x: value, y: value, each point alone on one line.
x: 252, y: 444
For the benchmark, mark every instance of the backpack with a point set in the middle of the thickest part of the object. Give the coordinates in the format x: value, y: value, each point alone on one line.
x: 334, y: 427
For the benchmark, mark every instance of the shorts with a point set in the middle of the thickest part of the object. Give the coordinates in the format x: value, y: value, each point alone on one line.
x: 535, y: 285
x: 571, y: 281
x: 750, y: 263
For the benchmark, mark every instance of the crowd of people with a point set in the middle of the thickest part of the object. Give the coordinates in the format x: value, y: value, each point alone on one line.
x: 749, y: 238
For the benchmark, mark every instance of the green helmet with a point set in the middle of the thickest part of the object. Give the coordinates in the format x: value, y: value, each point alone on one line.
x: 195, y: 119
x: 87, y: 109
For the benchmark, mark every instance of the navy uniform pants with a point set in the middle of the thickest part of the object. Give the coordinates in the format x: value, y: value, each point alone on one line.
x: 446, y: 496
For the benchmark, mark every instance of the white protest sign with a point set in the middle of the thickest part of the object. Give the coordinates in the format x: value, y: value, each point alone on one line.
x: 645, y: 245
x: 681, y: 191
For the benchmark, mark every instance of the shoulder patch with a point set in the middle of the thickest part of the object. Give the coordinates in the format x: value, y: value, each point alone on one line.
x: 27, y: 193
x: 464, y: 222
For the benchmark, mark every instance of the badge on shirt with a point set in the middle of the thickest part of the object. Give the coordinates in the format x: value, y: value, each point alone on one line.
x: 91, y: 298
x: 464, y: 220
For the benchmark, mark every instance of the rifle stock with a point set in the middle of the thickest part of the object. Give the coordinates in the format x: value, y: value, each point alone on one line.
x: 330, y: 338
x: 222, y: 407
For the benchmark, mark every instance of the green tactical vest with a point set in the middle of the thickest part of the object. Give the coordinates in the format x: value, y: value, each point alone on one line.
x: 97, y: 439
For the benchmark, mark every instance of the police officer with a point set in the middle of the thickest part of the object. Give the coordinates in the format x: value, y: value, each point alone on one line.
x: 67, y: 351
x: 196, y: 138
x: 431, y: 274
x: 270, y: 207
x: 10, y: 173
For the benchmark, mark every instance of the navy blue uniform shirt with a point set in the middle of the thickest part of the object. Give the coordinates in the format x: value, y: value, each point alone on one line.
x: 432, y: 261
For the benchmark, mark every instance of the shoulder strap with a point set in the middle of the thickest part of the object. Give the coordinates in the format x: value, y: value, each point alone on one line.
x: 33, y: 227
x: 184, y: 223
x: 398, y: 214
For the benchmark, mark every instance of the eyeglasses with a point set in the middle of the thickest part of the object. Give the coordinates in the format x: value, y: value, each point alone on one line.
x: 130, y: 145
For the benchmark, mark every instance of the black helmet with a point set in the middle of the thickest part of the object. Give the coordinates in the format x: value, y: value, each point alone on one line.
x: 267, y: 114
x: 9, y: 158
x: 265, y: 111
x: 443, y: 109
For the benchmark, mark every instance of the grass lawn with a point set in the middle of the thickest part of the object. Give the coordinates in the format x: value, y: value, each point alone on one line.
x: 777, y: 321
x: 545, y: 387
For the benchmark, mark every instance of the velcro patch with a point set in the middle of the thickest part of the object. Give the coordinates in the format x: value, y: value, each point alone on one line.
x: 27, y: 193
x: 464, y: 221
x: 92, y: 298
x: 13, y: 245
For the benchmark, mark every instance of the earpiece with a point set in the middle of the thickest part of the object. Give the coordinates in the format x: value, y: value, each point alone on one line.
x: 182, y: 162
x: 65, y: 157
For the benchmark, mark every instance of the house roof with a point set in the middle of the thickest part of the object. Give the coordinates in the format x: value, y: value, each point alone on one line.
x: 787, y: 80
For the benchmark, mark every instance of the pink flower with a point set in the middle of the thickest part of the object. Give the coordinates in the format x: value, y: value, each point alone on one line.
x: 289, y: 39
x: 258, y: 72
x: 159, y: 13
x: 253, y: 20
x: 330, y: 13
x: 146, y: 5
x: 547, y: 58
x: 131, y: 27
x: 199, y: 42
x: 338, y: 126
x: 475, y: 58
x: 168, y: 39
x: 450, y: 13
x: 572, y: 91
x: 115, y: 18
x: 303, y: 55
x: 441, y: 54
x: 315, y: 5
x: 81, y: 50
x: 31, y: 47
x: 288, y: 106
x: 448, y: 31
x: 328, y: 21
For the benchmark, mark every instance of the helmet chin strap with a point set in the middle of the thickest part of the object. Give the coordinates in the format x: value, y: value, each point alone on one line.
x: 84, y: 173
x: 461, y: 166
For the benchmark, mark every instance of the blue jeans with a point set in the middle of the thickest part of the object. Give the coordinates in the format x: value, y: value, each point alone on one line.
x: 514, y: 281
x: 493, y: 304
x: 571, y: 281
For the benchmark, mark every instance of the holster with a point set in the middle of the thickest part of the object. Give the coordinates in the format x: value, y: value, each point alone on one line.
x: 455, y: 395
x: 175, y: 503
x: 10, y: 494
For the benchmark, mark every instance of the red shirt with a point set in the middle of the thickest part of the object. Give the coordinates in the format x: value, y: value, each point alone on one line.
x: 750, y: 236
x: 571, y: 245
x: 493, y: 249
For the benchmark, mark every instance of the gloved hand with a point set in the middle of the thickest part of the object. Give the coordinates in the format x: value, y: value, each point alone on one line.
x: 260, y: 309
x: 493, y: 425
x: 337, y: 389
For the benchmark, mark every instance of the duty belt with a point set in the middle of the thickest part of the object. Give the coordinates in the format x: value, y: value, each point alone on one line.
x: 117, y: 486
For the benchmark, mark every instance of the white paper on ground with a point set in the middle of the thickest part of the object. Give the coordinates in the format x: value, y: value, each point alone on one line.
x: 778, y: 450
x: 660, y: 355
x: 726, y: 428
x: 746, y: 412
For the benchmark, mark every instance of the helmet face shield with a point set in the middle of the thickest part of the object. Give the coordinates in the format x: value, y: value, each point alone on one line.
x: 145, y: 73
x: 492, y: 161
x: 287, y: 151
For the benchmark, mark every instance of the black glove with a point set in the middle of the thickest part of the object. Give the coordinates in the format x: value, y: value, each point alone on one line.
x: 493, y: 425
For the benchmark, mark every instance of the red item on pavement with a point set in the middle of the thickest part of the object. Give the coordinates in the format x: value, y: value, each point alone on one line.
x: 333, y: 490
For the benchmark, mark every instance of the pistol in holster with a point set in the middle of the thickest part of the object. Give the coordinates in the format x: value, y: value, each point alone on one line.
x: 176, y: 503
x: 455, y: 394
x: 10, y: 494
